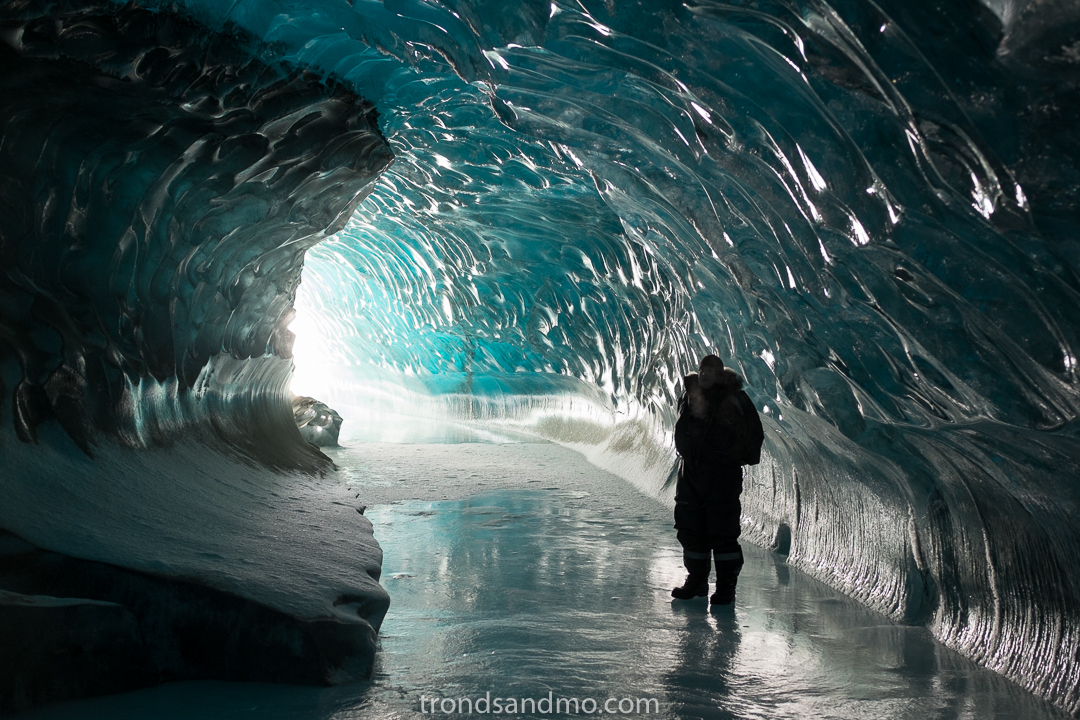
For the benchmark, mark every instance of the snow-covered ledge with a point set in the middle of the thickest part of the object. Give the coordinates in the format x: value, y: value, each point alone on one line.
x: 282, y: 568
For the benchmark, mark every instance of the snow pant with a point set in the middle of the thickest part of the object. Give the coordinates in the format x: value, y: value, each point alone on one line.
x: 707, y: 512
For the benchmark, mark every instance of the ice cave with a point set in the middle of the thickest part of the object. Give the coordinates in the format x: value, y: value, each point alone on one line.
x: 341, y: 342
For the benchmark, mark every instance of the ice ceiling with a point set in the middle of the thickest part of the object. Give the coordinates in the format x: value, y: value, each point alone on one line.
x: 867, y: 209
x: 610, y: 202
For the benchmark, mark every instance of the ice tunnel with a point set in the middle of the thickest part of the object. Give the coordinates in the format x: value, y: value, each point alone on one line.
x: 539, y: 215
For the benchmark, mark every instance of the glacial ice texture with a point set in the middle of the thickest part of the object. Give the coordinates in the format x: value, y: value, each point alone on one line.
x: 868, y: 209
x: 867, y: 222
x: 159, y: 186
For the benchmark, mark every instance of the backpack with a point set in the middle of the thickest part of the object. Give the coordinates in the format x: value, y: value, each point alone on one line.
x: 749, y: 451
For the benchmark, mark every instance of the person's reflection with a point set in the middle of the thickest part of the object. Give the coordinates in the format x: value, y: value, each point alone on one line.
x: 700, y: 682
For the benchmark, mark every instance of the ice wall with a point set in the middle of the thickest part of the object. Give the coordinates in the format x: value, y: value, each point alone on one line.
x: 869, y: 209
x: 159, y: 185
x: 158, y: 188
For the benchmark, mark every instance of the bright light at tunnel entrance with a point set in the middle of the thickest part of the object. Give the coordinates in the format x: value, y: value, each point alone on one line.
x: 312, y: 373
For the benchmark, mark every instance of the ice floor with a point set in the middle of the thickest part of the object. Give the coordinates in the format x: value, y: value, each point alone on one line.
x: 519, y: 570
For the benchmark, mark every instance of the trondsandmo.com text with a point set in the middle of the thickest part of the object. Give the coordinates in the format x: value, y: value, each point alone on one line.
x: 487, y: 705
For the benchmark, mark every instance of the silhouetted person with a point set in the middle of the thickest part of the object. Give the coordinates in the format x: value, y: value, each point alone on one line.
x: 708, y: 436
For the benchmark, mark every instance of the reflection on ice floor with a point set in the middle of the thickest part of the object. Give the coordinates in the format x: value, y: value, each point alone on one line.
x: 562, y: 586
x: 520, y: 593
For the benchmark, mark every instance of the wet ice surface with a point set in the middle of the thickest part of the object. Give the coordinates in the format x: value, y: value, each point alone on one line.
x: 522, y: 570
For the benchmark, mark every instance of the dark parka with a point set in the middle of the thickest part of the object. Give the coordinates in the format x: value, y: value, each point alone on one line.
x: 707, y: 506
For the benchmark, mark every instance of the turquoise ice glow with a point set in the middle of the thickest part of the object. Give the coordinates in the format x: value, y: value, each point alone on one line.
x: 606, y: 195
x: 874, y: 227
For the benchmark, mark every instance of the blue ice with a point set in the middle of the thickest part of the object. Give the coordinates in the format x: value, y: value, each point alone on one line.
x: 874, y: 227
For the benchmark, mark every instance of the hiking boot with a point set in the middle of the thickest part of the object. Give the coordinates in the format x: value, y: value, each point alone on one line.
x: 697, y: 581
x: 724, y: 595
x: 693, y: 587
x: 729, y: 561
